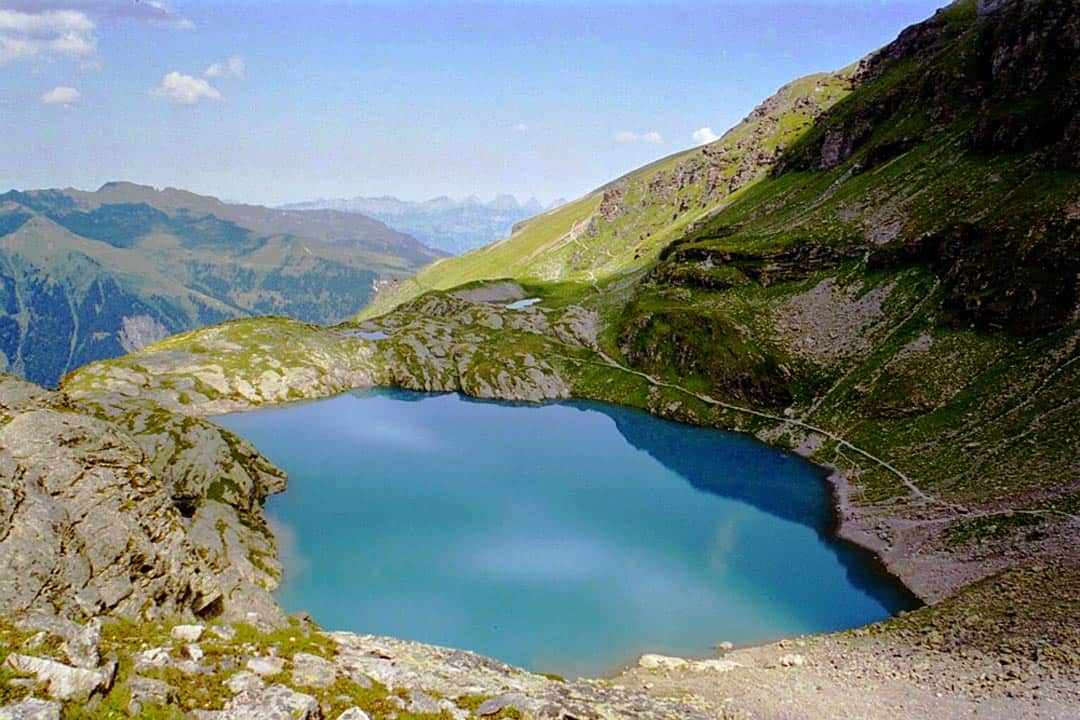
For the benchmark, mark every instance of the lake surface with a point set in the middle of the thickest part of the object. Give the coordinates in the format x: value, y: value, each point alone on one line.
x: 566, y: 538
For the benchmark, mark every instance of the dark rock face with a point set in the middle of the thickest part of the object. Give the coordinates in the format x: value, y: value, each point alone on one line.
x: 1021, y: 284
x: 1030, y: 76
x: 1016, y: 62
x: 92, y: 516
x: 764, y: 268
x: 1018, y: 279
x: 695, y: 343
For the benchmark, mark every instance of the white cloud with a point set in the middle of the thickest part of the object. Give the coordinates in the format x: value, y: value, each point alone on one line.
x: 626, y: 136
x: 151, y: 11
x: 61, y: 95
x: 45, y: 35
x: 705, y: 135
x: 159, y: 12
x: 521, y: 128
x: 185, y: 89
x: 231, y: 69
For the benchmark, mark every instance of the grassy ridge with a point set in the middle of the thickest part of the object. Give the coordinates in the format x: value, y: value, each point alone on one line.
x: 898, y: 266
x: 620, y: 228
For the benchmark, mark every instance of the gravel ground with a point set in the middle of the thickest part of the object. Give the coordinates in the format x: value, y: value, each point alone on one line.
x: 1007, y: 648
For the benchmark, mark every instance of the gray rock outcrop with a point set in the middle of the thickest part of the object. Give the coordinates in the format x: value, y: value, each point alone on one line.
x: 31, y: 710
x: 64, y: 682
x: 149, y: 691
x: 80, y: 643
x: 85, y: 525
x: 151, y: 516
x: 276, y: 702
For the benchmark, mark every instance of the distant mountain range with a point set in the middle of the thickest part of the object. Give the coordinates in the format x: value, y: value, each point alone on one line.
x: 90, y: 275
x: 454, y: 226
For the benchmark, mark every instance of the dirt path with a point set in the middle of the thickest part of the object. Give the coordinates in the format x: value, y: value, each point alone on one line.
x: 709, y: 400
x: 1008, y: 649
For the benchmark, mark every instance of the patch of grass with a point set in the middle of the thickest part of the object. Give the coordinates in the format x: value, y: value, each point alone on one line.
x: 992, y: 527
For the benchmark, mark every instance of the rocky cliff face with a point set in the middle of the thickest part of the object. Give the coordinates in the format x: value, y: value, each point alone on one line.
x: 96, y: 520
x: 440, y: 343
x: 1012, y: 74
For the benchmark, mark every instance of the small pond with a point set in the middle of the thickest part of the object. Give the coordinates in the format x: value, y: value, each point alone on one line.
x: 566, y: 537
x: 522, y: 304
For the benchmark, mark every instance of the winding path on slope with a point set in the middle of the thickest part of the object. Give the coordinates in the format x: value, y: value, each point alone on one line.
x: 840, y: 441
x: 709, y: 400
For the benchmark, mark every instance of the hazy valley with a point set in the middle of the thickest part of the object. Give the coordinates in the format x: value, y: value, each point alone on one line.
x: 453, y: 226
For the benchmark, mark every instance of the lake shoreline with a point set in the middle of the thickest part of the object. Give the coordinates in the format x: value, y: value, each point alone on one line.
x: 375, y: 447
x: 552, y: 355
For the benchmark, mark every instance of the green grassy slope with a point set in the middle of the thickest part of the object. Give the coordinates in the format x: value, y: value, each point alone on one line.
x: 905, y: 279
x: 902, y: 273
x: 620, y: 228
x: 895, y: 295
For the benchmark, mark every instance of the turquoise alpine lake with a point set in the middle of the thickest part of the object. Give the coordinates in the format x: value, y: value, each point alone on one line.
x: 567, y: 537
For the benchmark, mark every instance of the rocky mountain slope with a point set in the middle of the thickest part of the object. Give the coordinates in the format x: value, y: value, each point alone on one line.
x: 453, y: 226
x: 85, y: 276
x: 897, y: 284
x: 893, y: 292
x: 620, y: 228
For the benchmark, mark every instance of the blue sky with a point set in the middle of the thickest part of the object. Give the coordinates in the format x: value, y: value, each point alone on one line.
x: 277, y: 101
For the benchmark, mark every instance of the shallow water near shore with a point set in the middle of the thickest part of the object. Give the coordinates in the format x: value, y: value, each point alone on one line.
x: 566, y: 538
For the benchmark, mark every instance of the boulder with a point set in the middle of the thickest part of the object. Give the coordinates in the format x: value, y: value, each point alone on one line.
x: 276, y: 702
x: 244, y: 681
x: 81, y: 643
x: 64, y: 682
x: 791, y: 660
x: 149, y: 691
x: 313, y: 671
x: 31, y: 710
x: 518, y: 701
x: 354, y: 713
x: 266, y: 665
x: 714, y: 665
x: 186, y: 633
x: 423, y: 704
x: 651, y: 661
x: 153, y: 658
x: 192, y: 652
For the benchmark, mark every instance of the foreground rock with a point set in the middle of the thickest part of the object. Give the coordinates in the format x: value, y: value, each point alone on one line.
x: 31, y: 710
x: 276, y: 702
x: 92, y: 522
x: 63, y: 682
x: 301, y: 672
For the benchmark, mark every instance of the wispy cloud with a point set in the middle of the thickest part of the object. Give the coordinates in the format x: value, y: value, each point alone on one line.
x: 627, y: 136
x: 705, y: 135
x: 185, y: 89
x: 521, y: 128
x: 46, y: 35
x: 61, y: 95
x: 151, y: 11
x: 231, y: 69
